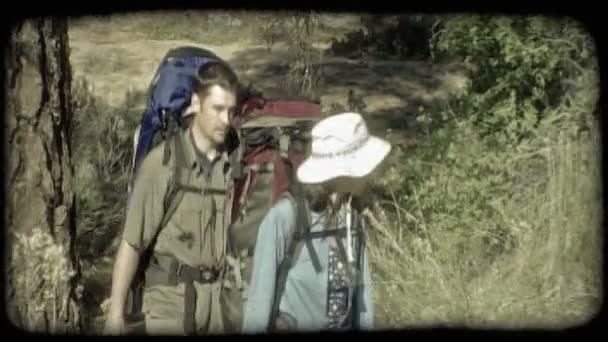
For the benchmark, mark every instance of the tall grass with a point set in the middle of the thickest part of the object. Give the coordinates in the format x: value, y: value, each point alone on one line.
x: 549, y: 278
x: 497, y: 225
x: 102, y: 143
x: 304, y: 72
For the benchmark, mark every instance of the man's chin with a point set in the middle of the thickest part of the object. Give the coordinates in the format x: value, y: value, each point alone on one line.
x: 219, y: 138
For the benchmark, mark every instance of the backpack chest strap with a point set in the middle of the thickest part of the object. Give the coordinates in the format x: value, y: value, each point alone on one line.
x: 298, y: 235
x: 205, y: 190
x: 338, y: 234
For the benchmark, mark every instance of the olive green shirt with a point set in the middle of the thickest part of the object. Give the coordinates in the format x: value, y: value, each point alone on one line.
x: 196, y: 233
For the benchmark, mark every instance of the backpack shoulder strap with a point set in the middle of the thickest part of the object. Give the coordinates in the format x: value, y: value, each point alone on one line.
x: 358, y: 223
x: 175, y: 193
x: 302, y: 232
x: 301, y: 226
x: 171, y: 201
x: 285, y: 264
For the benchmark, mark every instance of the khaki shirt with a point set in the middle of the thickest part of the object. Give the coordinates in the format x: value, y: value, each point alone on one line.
x: 196, y: 233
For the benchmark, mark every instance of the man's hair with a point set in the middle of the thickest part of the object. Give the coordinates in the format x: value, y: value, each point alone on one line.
x: 215, y: 73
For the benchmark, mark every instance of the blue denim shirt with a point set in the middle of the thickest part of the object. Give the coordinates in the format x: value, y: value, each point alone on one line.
x: 305, y: 294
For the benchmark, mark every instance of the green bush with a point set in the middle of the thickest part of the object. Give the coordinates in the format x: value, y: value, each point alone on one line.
x: 495, y: 216
x: 479, y: 235
x: 520, y: 64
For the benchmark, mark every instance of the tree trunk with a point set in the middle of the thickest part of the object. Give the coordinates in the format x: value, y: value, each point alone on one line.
x: 43, y: 278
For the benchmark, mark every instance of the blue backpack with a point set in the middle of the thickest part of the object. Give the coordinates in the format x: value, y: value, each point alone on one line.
x: 169, y: 95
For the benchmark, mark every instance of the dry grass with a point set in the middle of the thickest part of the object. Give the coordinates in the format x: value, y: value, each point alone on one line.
x: 304, y: 74
x: 102, y: 141
x: 41, y: 269
x: 102, y: 156
x: 209, y: 26
x: 551, y: 279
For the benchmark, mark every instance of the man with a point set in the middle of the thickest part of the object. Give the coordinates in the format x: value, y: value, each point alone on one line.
x: 184, y: 275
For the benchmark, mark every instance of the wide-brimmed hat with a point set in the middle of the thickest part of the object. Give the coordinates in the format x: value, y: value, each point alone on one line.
x: 342, y: 146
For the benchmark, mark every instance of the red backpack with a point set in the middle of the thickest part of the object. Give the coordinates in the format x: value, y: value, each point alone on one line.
x: 274, y: 136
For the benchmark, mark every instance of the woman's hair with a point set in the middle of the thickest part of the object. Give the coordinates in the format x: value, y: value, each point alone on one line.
x: 317, y: 195
x: 215, y: 73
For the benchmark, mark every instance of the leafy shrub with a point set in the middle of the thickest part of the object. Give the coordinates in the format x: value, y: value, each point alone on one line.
x: 495, y: 214
x: 432, y: 253
x: 522, y: 66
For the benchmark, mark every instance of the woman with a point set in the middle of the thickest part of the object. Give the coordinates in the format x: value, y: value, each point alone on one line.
x: 327, y: 284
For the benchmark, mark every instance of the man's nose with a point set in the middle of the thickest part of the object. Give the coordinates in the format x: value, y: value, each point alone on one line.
x: 225, y: 117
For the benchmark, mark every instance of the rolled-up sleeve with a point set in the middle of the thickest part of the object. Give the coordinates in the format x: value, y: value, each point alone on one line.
x: 145, y: 207
x: 268, y: 254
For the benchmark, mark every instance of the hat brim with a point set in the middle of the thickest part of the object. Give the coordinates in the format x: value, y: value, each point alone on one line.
x: 360, y: 163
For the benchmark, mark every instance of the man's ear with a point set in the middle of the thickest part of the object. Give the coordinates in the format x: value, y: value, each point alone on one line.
x: 195, y: 105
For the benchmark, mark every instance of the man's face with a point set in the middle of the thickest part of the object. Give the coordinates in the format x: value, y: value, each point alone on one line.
x: 213, y: 118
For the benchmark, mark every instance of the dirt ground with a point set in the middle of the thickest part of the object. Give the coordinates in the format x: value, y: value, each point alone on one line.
x: 114, y: 60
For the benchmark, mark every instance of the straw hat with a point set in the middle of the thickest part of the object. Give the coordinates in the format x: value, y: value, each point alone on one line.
x: 342, y: 146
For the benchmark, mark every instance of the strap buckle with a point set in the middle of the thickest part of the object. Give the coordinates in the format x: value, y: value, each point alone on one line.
x: 284, y: 144
x: 208, y: 275
x: 198, y: 274
x: 180, y: 267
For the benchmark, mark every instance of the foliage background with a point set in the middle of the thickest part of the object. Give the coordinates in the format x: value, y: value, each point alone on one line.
x: 500, y: 205
x: 488, y: 211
